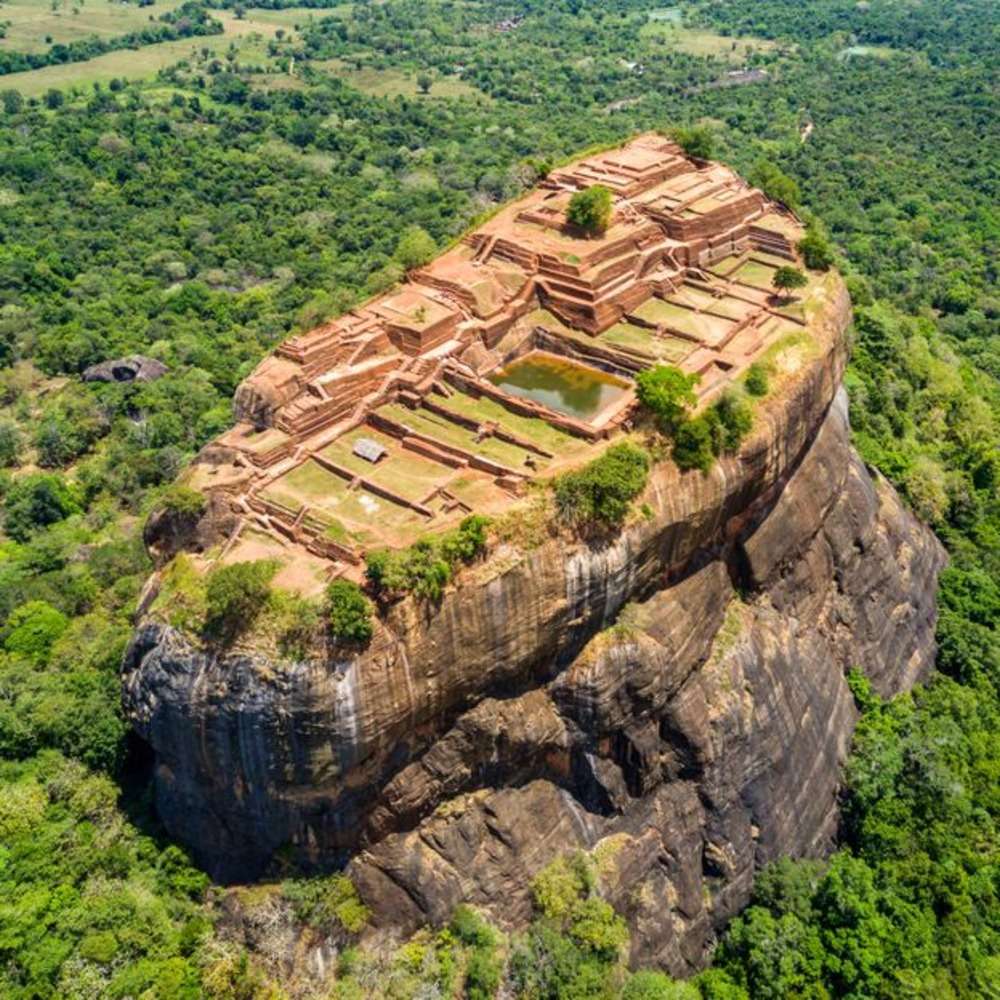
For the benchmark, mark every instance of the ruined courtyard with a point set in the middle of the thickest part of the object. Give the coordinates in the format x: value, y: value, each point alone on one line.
x: 505, y: 360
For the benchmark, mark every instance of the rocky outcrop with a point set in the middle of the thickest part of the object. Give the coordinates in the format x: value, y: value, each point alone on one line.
x: 675, y: 696
x: 691, y: 743
x: 134, y: 368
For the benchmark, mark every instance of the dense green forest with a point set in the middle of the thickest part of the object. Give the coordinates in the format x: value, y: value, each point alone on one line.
x: 201, y: 219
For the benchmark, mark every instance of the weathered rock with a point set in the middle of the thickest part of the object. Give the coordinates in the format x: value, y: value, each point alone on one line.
x: 475, y: 740
x: 134, y: 368
x: 168, y: 531
x: 704, y: 737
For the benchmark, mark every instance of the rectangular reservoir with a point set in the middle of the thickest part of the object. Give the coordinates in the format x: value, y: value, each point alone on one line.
x: 564, y: 386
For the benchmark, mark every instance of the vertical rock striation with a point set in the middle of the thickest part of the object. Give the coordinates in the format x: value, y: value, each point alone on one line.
x: 697, y: 738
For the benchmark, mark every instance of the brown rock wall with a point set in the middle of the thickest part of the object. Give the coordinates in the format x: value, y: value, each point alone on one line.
x: 474, y: 740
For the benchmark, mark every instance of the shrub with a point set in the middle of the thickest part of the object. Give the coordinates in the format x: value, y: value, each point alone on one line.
x: 695, y: 442
x: 37, y: 500
x: 667, y: 392
x: 558, y: 888
x: 735, y: 418
x: 775, y: 183
x: 349, y: 612
x: 484, y: 968
x: 756, y: 381
x: 10, y: 444
x: 236, y: 594
x: 33, y: 629
x: 100, y: 947
x: 322, y: 901
x: 590, y: 209
x: 426, y: 567
x: 649, y: 985
x: 470, y: 928
x: 596, y: 927
x: 816, y: 249
x: 183, y: 501
x: 483, y: 974
x: 695, y: 140
x: 600, y: 493
x: 416, y: 247
x: 297, y: 621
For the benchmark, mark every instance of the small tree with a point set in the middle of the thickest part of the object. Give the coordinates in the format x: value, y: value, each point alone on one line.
x: 697, y: 442
x: 54, y: 99
x: 32, y: 629
x: 13, y: 102
x: 667, y: 392
x: 735, y: 418
x: 788, y: 278
x: 415, y: 248
x: 590, y: 209
x: 10, y: 443
x: 816, y: 250
x: 349, y: 612
x: 236, y: 594
x: 425, y: 81
x: 695, y: 140
x: 36, y: 501
x: 601, y: 493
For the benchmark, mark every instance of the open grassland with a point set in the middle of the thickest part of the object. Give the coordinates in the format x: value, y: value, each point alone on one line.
x: 291, y: 16
x: 267, y: 22
x: 99, y: 17
x: 35, y: 25
x: 393, y: 82
x: 698, y: 42
x: 130, y: 64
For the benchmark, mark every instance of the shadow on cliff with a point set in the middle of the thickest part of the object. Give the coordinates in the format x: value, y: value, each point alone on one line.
x: 137, y: 799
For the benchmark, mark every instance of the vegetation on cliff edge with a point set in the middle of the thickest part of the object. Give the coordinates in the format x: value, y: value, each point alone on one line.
x: 202, y: 217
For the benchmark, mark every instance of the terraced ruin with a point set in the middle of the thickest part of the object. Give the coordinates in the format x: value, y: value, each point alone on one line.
x: 508, y: 358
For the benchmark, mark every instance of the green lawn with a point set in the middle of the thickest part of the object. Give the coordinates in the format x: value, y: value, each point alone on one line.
x: 537, y: 431
x: 404, y: 472
x: 755, y: 273
x: 425, y: 422
x: 637, y: 338
x: 700, y: 325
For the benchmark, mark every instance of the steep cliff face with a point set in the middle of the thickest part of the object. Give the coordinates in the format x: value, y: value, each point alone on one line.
x: 698, y: 737
x: 697, y: 740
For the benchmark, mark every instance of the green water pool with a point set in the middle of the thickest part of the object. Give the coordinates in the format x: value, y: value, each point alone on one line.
x: 562, y: 385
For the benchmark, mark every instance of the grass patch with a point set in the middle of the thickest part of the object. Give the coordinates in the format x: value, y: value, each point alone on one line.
x: 425, y: 422
x: 755, y: 273
x: 35, y: 26
x: 870, y: 51
x: 687, y: 321
x: 699, y: 42
x: 537, y: 431
x: 734, y: 622
x: 395, y: 82
x: 642, y: 341
x: 133, y: 64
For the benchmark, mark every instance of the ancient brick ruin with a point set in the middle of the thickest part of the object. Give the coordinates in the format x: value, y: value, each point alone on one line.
x: 415, y: 379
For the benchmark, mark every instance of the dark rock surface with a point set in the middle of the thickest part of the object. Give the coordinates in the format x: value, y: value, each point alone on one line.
x: 691, y: 744
x: 674, y: 699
